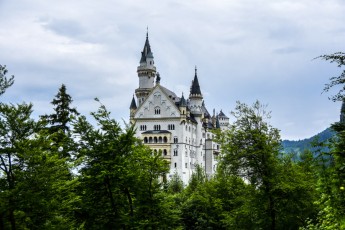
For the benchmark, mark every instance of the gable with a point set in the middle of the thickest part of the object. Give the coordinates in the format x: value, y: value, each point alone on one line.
x: 157, y: 105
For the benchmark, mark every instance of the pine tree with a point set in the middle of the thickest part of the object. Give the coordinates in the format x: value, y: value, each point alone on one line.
x: 59, y: 122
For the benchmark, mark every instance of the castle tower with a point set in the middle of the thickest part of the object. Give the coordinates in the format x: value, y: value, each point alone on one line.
x: 133, y: 109
x: 146, y: 73
x: 195, y: 96
x: 183, y: 107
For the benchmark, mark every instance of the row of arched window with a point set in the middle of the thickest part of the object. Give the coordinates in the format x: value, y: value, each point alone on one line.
x: 157, y: 110
x: 156, y: 127
x: 155, y: 140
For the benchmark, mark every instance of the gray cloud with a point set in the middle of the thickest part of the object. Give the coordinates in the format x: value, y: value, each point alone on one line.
x: 245, y: 50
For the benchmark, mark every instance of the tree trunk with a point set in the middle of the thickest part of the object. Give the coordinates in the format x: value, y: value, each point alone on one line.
x: 129, y: 197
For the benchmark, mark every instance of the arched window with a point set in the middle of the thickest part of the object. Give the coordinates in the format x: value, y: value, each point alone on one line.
x: 160, y: 140
x: 165, y: 139
x: 157, y: 110
x: 150, y: 139
x: 165, y: 152
x: 145, y: 140
x: 155, y: 139
x: 175, y: 140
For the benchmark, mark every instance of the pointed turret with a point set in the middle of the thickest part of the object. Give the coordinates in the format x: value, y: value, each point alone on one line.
x: 183, y: 102
x: 132, y: 109
x: 183, y: 107
x: 133, y: 104
x: 195, y: 88
x: 195, y: 96
x: 146, y: 72
x: 146, y: 53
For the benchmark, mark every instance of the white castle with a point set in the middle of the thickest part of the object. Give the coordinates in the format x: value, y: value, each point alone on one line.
x: 179, y: 128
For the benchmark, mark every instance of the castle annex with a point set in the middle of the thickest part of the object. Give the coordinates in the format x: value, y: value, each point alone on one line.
x: 179, y: 127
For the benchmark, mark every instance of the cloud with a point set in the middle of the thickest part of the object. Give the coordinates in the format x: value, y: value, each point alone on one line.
x: 244, y: 50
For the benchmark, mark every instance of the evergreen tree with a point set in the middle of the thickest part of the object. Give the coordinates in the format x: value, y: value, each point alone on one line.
x: 60, y: 121
x: 64, y: 114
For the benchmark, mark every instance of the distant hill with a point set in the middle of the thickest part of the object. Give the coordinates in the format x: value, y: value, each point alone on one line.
x: 301, y: 145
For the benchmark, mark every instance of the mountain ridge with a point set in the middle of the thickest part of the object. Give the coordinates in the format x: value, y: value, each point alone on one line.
x: 292, y: 146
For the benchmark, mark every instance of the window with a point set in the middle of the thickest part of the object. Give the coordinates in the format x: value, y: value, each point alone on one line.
x: 171, y: 127
x: 155, y: 139
x: 165, y: 152
x: 175, y: 152
x: 175, y: 140
x: 143, y: 127
x: 157, y: 127
x: 145, y: 140
x: 157, y: 110
x: 160, y: 140
x: 175, y: 164
x: 165, y: 139
x: 150, y: 140
x: 186, y: 165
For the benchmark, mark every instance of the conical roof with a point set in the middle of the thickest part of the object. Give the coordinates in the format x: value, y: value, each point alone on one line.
x: 195, y: 89
x: 133, y: 104
x: 146, y: 53
x: 183, y: 102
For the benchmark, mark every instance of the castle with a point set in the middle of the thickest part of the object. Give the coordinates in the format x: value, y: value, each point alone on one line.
x: 179, y: 127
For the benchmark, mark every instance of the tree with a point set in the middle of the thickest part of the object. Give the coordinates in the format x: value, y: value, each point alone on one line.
x: 36, y: 188
x: 4, y: 81
x: 331, y: 181
x: 59, y: 122
x: 339, y: 59
x: 251, y: 151
x: 15, y: 127
x: 119, y: 176
x: 64, y: 114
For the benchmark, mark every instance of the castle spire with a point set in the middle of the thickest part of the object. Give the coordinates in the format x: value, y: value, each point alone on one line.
x: 133, y: 104
x: 146, y: 53
x: 195, y: 89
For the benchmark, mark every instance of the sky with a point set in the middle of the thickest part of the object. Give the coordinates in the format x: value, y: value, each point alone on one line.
x: 244, y: 50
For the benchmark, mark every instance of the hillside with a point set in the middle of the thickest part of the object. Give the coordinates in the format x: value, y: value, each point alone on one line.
x: 301, y: 145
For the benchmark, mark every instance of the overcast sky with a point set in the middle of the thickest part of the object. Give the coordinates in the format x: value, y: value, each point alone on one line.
x: 244, y: 50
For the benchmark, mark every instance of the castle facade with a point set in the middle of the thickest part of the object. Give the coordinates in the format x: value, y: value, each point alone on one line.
x: 178, y: 127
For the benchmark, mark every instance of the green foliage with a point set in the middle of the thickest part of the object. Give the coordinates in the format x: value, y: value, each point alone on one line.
x: 119, y: 176
x: 36, y: 187
x: 339, y: 59
x: 279, y: 191
x: 4, y: 81
x: 175, y: 185
x: 60, y: 121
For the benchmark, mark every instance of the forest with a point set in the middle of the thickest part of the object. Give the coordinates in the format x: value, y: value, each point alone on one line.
x: 63, y: 171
